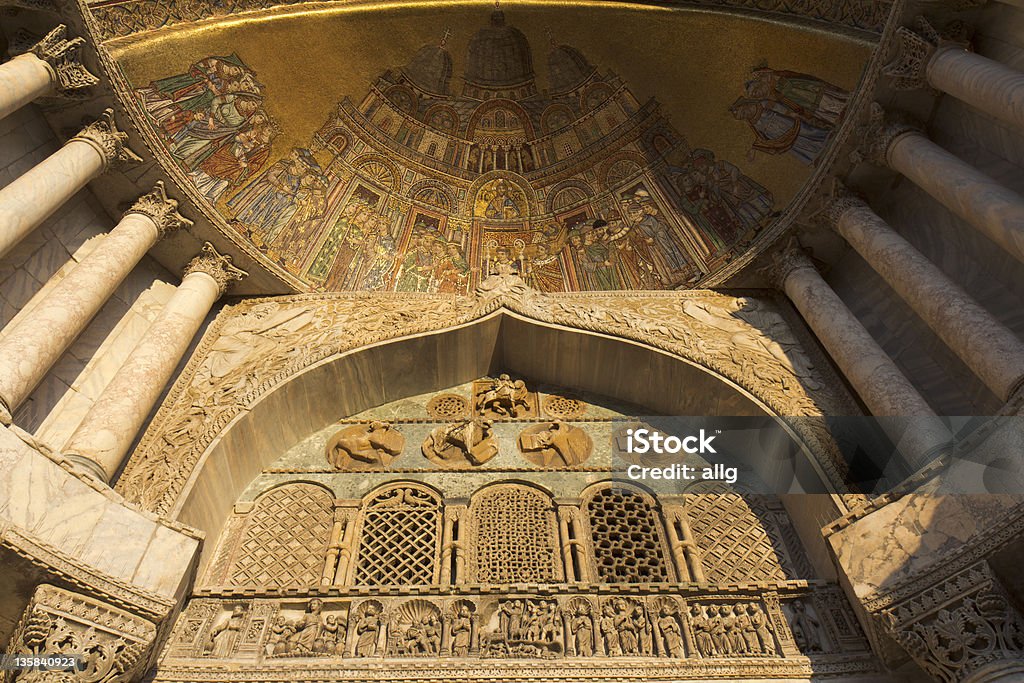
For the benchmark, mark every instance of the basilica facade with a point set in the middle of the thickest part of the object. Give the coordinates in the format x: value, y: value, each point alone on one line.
x: 327, y: 329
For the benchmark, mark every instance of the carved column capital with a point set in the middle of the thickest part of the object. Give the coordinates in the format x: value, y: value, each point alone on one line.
x: 216, y: 265
x: 841, y: 201
x: 114, y: 643
x: 789, y: 259
x: 163, y: 211
x: 959, y: 627
x: 879, y: 133
x: 111, y: 143
x: 64, y: 59
x: 915, y: 48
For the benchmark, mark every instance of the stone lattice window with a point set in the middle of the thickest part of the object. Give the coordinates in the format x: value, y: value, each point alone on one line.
x: 285, y: 538
x: 400, y: 532
x: 738, y: 538
x: 515, y: 537
x: 627, y: 538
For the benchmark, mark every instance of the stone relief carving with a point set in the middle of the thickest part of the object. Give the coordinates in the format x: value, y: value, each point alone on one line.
x: 504, y: 397
x: 114, y: 644
x: 369, y: 629
x: 563, y: 407
x: 739, y: 630
x: 256, y: 345
x: 807, y: 630
x: 222, y: 638
x: 525, y: 628
x: 447, y: 407
x: 555, y: 444
x: 312, y: 633
x: 375, y: 444
x: 415, y: 630
x: 468, y: 442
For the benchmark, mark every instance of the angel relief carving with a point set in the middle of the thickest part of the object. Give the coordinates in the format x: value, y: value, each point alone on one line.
x: 468, y: 442
x: 363, y: 446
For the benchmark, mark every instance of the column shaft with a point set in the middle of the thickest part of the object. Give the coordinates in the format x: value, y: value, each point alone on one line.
x: 30, y: 199
x: 110, y: 426
x: 988, y: 206
x: 985, y: 345
x: 35, y: 343
x: 983, y: 83
x: 888, y: 394
x: 22, y: 80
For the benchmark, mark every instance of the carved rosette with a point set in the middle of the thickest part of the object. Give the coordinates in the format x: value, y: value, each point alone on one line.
x: 111, y: 143
x: 960, y: 626
x: 878, y: 135
x: 216, y: 265
x: 114, y: 644
x: 64, y: 58
x: 163, y: 211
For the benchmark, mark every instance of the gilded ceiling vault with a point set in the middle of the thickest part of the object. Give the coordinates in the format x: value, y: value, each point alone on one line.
x: 493, y: 147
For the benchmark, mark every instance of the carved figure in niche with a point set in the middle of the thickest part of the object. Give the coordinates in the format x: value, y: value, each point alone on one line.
x: 416, y: 630
x: 505, y: 398
x: 362, y: 446
x: 333, y: 635
x: 806, y: 628
x: 763, y: 628
x: 702, y: 632
x: 716, y: 624
x: 671, y: 633
x: 462, y: 632
x: 555, y: 444
x: 368, y: 631
x: 465, y: 442
x: 280, y: 633
x: 582, y: 625
x: 633, y: 628
x: 610, y: 632
x: 526, y: 628
x: 733, y: 634
x: 307, y: 637
x: 223, y: 635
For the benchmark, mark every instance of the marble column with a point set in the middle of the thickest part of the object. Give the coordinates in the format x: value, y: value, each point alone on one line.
x: 985, y: 345
x: 925, y: 59
x: 990, y: 208
x: 901, y: 411
x: 31, y: 198
x: 106, y: 433
x: 33, y: 344
x: 51, y: 66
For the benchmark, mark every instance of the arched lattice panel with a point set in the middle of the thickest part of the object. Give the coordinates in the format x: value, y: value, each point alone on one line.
x: 285, y: 538
x: 626, y: 537
x: 401, y: 529
x: 515, y: 540
x: 740, y: 538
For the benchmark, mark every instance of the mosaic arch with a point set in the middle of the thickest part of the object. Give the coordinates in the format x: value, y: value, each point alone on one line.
x: 436, y: 178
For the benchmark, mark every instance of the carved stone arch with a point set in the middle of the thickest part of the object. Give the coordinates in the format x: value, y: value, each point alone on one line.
x: 284, y: 539
x: 399, y: 536
x: 557, y: 200
x: 379, y: 170
x: 195, y: 459
x: 513, y: 535
x: 433, y: 192
x: 626, y: 534
x: 556, y: 117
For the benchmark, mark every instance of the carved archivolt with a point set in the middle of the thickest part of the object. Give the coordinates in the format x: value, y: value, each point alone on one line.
x: 258, y: 345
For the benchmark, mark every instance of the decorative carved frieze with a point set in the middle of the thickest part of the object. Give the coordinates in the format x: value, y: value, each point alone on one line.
x: 163, y: 211
x: 216, y: 265
x: 64, y: 57
x: 113, y: 644
x: 110, y: 142
x: 959, y: 626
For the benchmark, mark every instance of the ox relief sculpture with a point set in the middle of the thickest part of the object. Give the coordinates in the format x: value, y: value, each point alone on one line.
x: 467, y: 442
x: 555, y: 444
x: 364, y: 446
